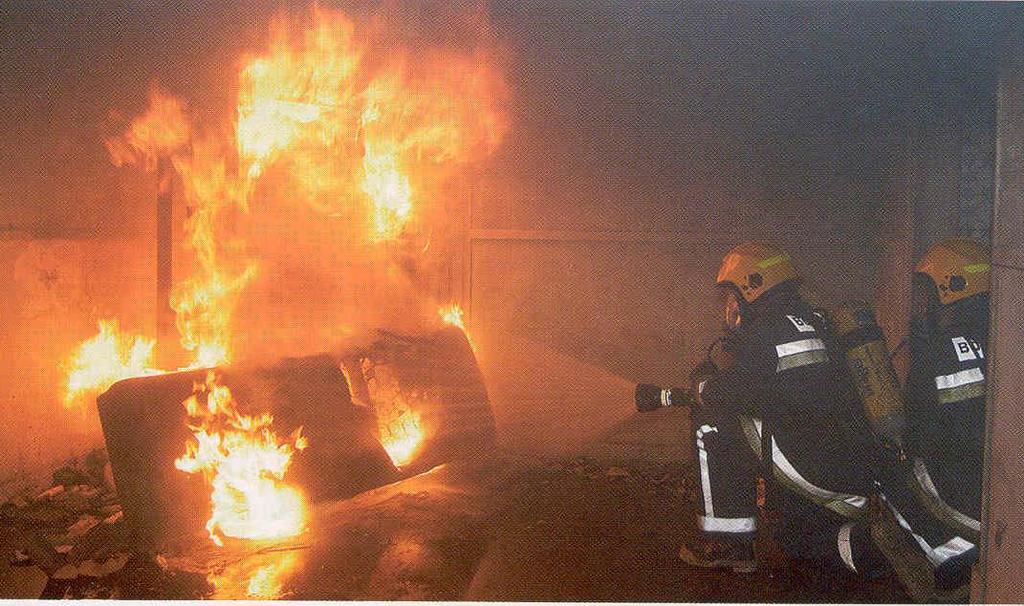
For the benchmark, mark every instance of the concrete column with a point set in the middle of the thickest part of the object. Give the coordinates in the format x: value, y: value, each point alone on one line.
x: 896, y: 264
x: 166, y: 335
x: 998, y: 576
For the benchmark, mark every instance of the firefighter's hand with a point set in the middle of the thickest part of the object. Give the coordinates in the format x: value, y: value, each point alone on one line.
x: 647, y: 397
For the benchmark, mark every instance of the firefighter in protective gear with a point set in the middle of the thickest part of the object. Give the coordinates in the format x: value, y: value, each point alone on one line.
x: 945, y: 391
x: 785, y: 403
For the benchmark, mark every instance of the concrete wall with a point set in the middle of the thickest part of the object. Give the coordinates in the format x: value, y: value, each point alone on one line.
x: 640, y: 307
x: 52, y: 293
x: 617, y: 197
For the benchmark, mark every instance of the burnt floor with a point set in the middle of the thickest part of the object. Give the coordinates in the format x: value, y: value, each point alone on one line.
x: 590, y: 527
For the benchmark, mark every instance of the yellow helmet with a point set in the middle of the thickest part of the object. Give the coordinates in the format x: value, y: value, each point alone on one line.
x: 958, y: 267
x: 755, y: 269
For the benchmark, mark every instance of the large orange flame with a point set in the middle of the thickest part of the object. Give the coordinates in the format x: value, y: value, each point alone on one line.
x: 370, y: 134
x: 105, y: 359
x: 245, y: 464
x: 333, y: 120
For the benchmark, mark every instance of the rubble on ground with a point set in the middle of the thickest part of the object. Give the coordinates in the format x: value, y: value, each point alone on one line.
x: 651, y: 477
x: 69, y: 539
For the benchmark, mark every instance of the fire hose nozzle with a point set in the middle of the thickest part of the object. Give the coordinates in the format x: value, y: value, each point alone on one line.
x: 652, y: 397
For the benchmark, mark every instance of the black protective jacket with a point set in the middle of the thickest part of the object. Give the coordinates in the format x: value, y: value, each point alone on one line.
x: 945, y: 398
x: 789, y: 374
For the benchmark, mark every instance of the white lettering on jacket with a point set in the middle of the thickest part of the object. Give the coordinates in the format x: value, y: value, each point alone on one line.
x: 800, y: 324
x: 967, y: 349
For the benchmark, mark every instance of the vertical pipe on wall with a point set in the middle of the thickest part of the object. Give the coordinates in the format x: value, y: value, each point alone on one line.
x: 164, y: 261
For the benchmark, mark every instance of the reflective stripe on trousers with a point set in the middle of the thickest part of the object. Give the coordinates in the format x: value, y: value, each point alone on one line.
x: 956, y: 517
x: 845, y: 549
x: 709, y: 522
x: 846, y: 505
x: 936, y: 555
x: 732, y: 525
x: 705, y: 471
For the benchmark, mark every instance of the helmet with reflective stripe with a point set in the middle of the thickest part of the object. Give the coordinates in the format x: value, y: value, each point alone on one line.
x: 754, y: 269
x: 958, y: 267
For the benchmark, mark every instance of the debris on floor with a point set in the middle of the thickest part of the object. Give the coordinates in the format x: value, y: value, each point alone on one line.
x: 508, y: 527
x: 24, y: 581
x: 67, y: 539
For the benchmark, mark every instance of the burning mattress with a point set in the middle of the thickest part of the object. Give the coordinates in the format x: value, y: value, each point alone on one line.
x: 356, y: 420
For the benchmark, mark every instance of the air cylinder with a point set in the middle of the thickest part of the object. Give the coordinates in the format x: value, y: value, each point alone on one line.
x: 867, y: 359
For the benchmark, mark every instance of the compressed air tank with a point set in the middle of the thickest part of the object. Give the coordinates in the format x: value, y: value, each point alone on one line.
x: 870, y: 365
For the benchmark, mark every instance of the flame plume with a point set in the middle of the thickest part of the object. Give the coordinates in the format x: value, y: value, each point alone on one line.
x: 105, y: 359
x: 339, y: 120
x: 245, y: 464
x: 163, y: 130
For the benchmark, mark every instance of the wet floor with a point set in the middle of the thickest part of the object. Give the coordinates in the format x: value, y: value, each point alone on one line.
x: 507, y: 529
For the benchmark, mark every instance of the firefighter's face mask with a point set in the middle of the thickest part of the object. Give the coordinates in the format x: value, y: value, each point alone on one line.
x: 732, y: 317
x: 924, y: 303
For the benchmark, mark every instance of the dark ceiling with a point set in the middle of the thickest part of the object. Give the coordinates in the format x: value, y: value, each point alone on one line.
x: 619, y: 101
